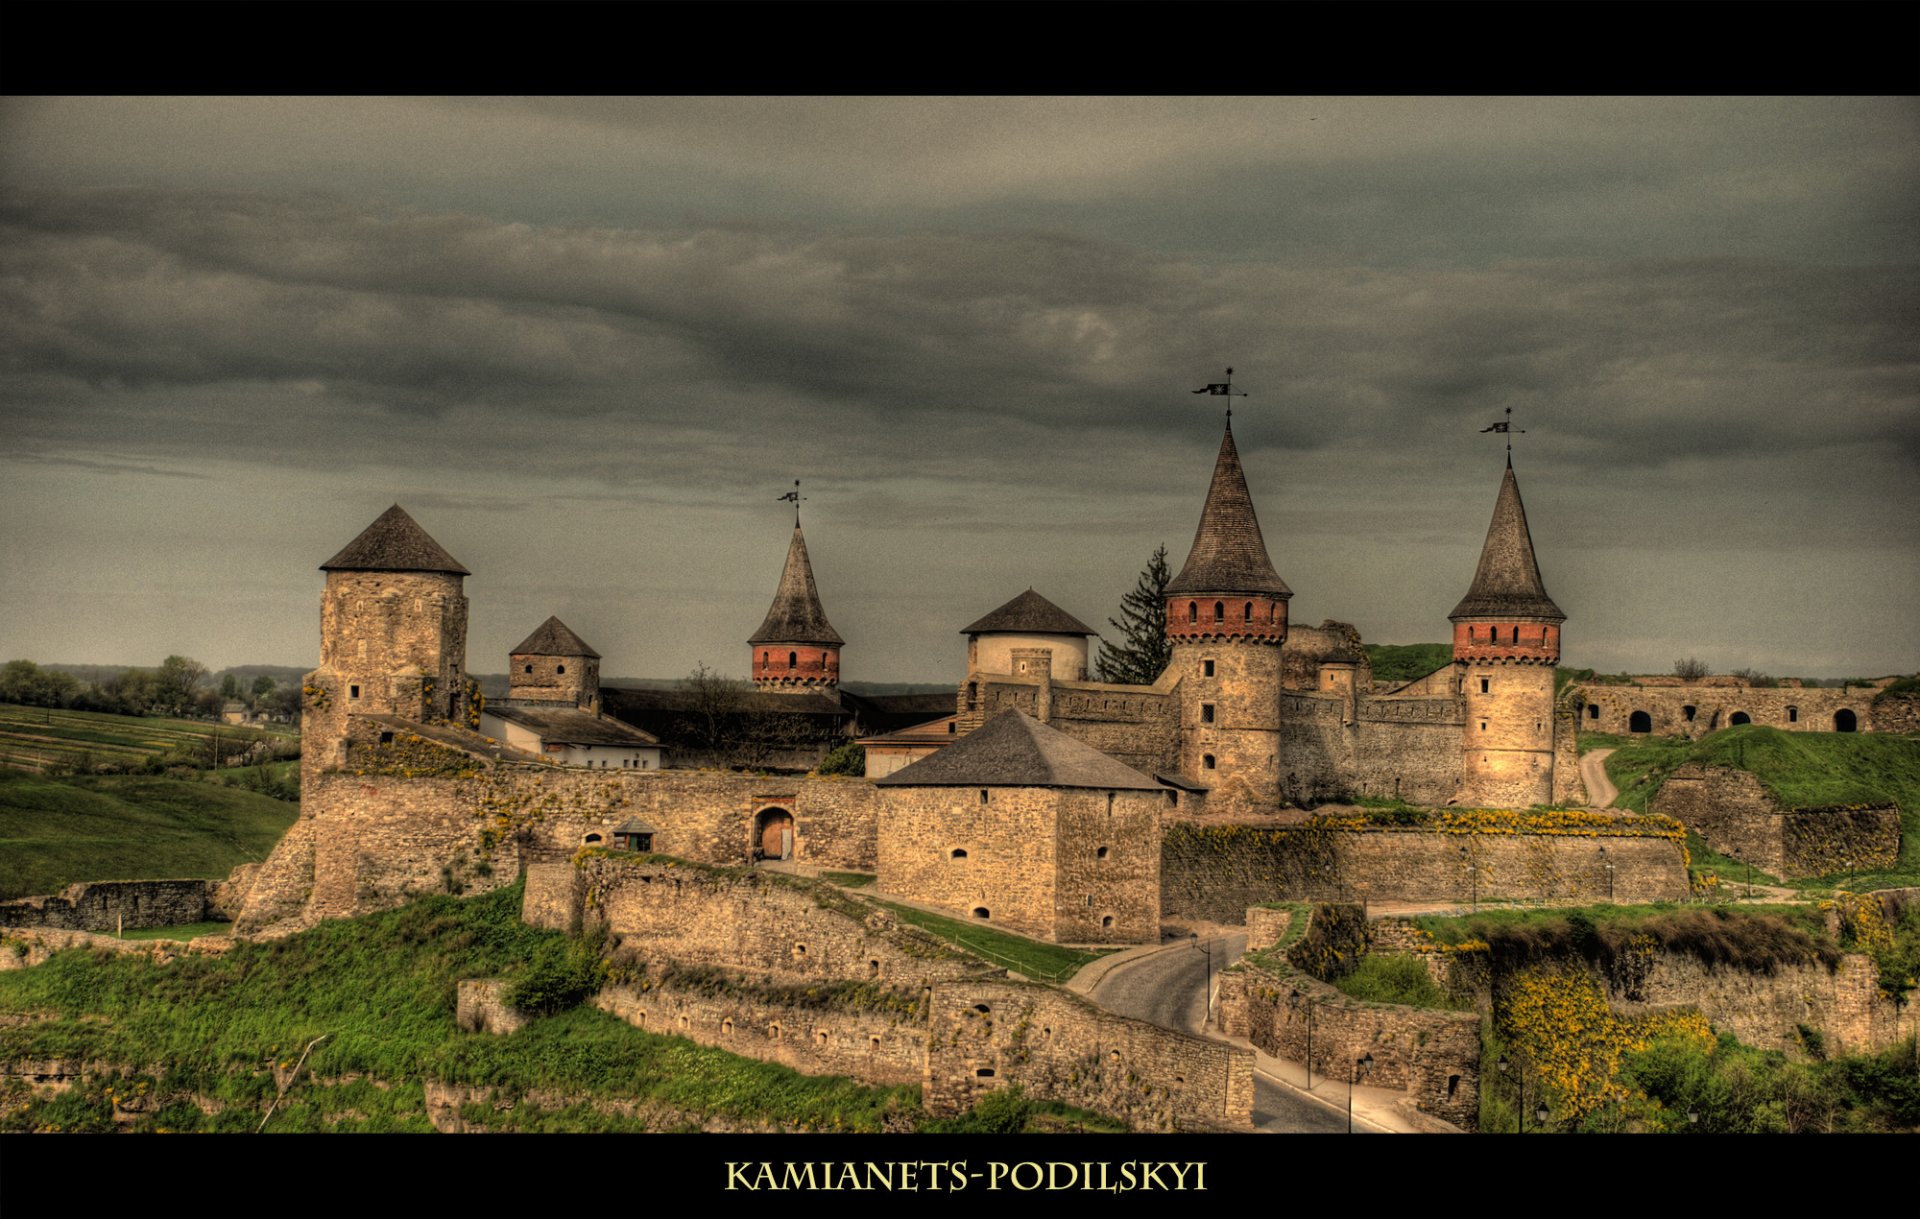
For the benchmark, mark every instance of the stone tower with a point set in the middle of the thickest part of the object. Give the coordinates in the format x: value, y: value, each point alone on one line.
x: 554, y: 665
x: 393, y: 636
x: 1506, y: 641
x: 796, y: 650
x: 1227, y: 620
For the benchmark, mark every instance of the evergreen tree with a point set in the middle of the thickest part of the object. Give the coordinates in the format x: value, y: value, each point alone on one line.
x: 1144, y: 651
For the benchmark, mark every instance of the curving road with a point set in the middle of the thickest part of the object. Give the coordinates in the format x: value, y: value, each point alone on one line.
x: 1169, y: 988
x: 1593, y: 772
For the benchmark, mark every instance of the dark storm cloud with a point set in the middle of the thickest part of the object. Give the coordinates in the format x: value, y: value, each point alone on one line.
x: 409, y: 312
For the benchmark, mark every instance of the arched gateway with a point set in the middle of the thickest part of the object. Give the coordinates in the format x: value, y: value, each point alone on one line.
x: 773, y: 834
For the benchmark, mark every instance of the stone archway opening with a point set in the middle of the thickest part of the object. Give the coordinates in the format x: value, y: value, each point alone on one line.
x: 1845, y: 721
x: 1738, y: 718
x: 773, y: 834
x: 1640, y: 721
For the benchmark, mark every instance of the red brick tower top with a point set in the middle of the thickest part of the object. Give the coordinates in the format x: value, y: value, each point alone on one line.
x: 796, y: 648
x: 1228, y: 587
x: 1507, y: 614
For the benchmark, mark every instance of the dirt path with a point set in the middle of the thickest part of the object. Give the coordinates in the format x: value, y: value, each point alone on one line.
x: 1593, y: 772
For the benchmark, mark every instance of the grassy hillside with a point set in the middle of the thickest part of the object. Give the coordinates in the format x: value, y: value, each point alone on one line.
x: 1402, y: 662
x: 40, y: 739
x: 381, y: 989
x: 128, y: 827
x: 1801, y: 769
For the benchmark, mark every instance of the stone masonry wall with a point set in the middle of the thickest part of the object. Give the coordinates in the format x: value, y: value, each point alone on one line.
x: 1433, y: 1056
x: 1766, y: 1010
x: 1737, y: 816
x: 756, y: 921
x: 1056, y: 1046
x: 948, y: 847
x: 876, y: 1047
x: 1393, y: 747
x: 479, y: 1008
x: 104, y: 905
x: 1266, y: 927
x: 1216, y: 871
x: 1795, y: 709
x: 371, y: 836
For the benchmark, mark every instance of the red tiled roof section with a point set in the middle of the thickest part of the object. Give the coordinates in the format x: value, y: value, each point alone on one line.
x: 1229, y: 555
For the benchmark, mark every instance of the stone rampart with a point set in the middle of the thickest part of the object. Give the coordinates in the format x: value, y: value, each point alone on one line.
x: 1846, y: 1004
x: 1216, y: 870
x: 1266, y: 927
x: 1737, y: 816
x: 106, y: 905
x: 762, y: 922
x: 986, y: 1035
x: 1433, y: 1056
x: 479, y: 1007
x: 1695, y: 710
x: 1405, y: 748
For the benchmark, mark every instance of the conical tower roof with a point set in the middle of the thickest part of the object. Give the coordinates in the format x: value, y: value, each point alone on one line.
x: 1229, y: 555
x: 1029, y: 614
x: 796, y: 616
x: 394, y: 542
x: 553, y: 638
x: 1507, y: 583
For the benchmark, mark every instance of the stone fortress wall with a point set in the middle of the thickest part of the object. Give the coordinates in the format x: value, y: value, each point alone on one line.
x: 1694, y: 710
x: 1737, y: 816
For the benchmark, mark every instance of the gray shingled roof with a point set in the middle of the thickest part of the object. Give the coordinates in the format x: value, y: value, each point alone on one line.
x: 1015, y: 750
x: 552, y: 638
x: 1030, y: 614
x: 571, y: 726
x: 1229, y: 555
x: 796, y: 616
x: 394, y: 543
x: 1507, y: 583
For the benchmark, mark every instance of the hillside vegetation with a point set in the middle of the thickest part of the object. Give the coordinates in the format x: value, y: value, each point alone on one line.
x: 1403, y: 662
x: 381, y: 989
x: 55, y: 831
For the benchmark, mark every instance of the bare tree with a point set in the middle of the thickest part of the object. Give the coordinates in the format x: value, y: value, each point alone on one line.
x: 1691, y: 669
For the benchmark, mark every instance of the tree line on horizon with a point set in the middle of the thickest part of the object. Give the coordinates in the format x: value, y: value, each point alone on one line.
x: 179, y: 686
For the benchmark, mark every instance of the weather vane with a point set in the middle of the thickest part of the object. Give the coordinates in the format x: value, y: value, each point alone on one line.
x: 1222, y: 389
x: 793, y: 497
x: 1506, y: 428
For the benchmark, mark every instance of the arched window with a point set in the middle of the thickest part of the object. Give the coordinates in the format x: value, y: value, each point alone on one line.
x: 560, y: 669
x: 793, y: 660
x: 1207, y: 761
x: 1247, y: 614
x: 1845, y: 721
x: 529, y: 669
x: 1219, y: 611
x: 1516, y: 634
x: 1793, y: 715
x: 1193, y: 611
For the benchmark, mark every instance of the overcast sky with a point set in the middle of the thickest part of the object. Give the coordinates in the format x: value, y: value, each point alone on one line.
x: 588, y: 342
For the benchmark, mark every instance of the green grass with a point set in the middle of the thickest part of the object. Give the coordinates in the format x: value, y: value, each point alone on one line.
x: 382, y: 989
x: 1394, y: 979
x: 1034, y: 958
x: 56, y: 831
x: 1640, y: 764
x: 184, y: 931
x: 36, y: 738
x: 848, y: 880
x: 1405, y: 662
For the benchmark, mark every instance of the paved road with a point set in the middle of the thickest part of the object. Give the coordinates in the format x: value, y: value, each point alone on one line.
x: 1169, y: 989
x: 1593, y: 771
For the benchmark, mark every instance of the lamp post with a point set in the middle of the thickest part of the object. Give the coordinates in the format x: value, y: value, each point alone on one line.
x: 1520, y: 1107
x: 1473, y: 872
x: 1194, y: 937
x: 1294, y: 999
x: 1608, y: 865
x: 1361, y: 1068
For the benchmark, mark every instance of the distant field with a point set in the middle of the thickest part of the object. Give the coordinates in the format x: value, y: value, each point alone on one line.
x: 37, y: 739
x: 55, y: 831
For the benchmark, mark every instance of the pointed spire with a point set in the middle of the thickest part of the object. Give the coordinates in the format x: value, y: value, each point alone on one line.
x: 553, y: 638
x: 1507, y: 583
x: 1229, y: 555
x: 796, y: 616
x: 394, y: 542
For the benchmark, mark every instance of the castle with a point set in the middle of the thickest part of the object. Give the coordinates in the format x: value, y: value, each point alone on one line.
x: 1046, y: 798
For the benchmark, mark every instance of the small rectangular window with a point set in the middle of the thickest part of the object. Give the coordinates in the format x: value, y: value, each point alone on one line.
x: 1207, y: 667
x: 1206, y: 713
x: 353, y: 691
x: 1483, y: 685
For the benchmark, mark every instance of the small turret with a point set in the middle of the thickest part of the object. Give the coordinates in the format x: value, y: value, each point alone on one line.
x: 554, y: 665
x: 796, y: 650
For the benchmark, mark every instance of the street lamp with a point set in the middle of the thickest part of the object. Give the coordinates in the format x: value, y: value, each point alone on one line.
x: 1361, y: 1068
x: 1293, y: 1000
x: 1473, y: 871
x: 1540, y: 1114
x: 1608, y: 865
x: 1520, y: 1108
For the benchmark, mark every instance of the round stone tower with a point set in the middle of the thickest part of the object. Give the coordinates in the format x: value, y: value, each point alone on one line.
x: 554, y: 665
x: 393, y: 635
x: 1506, y: 641
x: 796, y: 650
x: 1227, y: 620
